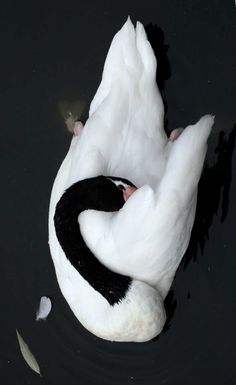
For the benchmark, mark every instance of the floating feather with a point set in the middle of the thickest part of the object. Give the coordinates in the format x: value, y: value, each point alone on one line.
x: 45, y: 307
x: 27, y: 355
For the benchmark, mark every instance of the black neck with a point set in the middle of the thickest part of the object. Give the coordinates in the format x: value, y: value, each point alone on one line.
x: 79, y: 197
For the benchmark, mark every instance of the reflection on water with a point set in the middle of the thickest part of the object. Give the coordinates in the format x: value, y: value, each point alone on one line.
x: 170, y: 306
x: 72, y: 111
x: 213, y: 194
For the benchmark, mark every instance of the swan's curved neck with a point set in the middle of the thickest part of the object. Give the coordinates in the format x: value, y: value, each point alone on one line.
x: 74, y: 201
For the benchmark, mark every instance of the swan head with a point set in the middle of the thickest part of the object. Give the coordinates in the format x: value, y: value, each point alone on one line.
x: 103, y: 193
x: 123, y: 185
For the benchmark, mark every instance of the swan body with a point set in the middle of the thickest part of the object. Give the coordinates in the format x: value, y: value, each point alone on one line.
x: 115, y: 258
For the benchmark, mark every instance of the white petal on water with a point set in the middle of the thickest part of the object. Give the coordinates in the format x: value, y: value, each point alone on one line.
x: 45, y: 307
x: 27, y: 355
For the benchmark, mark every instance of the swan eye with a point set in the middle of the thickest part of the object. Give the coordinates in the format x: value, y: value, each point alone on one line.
x: 120, y: 187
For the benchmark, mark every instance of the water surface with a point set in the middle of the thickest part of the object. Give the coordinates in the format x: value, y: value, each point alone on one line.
x: 54, y: 53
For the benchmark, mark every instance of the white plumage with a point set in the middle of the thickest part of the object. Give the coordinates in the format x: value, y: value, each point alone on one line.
x: 148, y: 236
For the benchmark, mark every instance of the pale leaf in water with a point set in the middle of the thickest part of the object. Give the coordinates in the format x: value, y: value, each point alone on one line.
x: 45, y: 307
x: 27, y: 355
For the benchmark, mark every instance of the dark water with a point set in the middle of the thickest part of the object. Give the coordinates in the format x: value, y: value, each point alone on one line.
x: 56, y: 52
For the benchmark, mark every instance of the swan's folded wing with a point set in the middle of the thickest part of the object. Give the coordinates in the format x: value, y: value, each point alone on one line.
x: 136, y: 240
x: 149, y: 235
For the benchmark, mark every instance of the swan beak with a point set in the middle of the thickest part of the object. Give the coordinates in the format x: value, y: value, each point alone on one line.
x: 128, y: 192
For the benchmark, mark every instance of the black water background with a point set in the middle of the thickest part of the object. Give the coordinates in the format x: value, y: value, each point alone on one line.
x: 54, y: 52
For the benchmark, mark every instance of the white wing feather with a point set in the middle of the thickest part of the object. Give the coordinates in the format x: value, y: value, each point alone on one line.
x: 147, y: 238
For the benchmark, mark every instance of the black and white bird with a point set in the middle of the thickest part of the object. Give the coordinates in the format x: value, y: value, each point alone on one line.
x: 123, y: 202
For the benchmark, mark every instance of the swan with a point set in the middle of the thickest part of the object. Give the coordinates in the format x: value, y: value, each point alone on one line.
x: 123, y: 202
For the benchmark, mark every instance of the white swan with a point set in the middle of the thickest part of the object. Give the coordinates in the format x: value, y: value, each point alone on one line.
x: 115, y: 260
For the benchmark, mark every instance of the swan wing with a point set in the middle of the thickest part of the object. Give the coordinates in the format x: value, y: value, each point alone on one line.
x: 126, y: 115
x: 147, y: 238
